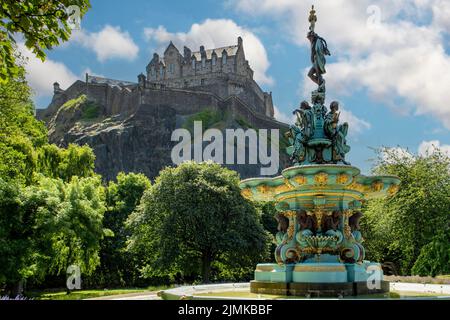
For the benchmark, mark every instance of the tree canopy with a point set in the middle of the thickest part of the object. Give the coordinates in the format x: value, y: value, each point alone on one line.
x: 42, y: 25
x: 412, y: 226
x: 122, y: 197
x: 48, y: 226
x: 193, y: 215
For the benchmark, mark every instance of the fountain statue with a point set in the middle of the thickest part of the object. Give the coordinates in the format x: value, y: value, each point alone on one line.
x: 319, y: 243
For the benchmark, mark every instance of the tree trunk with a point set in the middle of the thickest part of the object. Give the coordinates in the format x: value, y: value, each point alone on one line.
x: 15, y: 289
x: 206, y: 267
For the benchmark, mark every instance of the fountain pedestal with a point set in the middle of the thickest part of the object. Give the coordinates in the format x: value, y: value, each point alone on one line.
x: 319, y: 245
x: 319, y: 279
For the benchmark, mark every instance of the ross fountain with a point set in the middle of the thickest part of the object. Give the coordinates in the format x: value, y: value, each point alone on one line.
x: 320, y: 248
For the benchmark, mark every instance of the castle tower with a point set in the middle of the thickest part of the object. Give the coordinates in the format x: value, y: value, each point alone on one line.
x: 223, y: 71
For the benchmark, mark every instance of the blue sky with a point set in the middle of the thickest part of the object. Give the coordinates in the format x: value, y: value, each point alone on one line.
x: 390, y: 64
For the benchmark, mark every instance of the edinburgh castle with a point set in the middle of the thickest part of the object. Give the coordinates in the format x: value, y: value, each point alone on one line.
x: 129, y: 124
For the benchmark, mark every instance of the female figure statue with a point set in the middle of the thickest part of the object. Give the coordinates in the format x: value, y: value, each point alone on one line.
x: 337, y: 133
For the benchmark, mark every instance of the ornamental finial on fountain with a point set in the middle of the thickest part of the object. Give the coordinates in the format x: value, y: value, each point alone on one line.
x: 317, y: 137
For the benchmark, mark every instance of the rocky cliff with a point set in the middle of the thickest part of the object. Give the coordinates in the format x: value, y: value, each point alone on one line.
x: 130, y: 128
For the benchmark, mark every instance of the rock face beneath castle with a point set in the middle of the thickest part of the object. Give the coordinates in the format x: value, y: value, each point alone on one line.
x: 129, y: 125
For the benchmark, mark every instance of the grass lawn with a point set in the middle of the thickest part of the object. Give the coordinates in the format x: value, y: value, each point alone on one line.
x: 441, y: 279
x: 61, y: 294
x: 390, y: 295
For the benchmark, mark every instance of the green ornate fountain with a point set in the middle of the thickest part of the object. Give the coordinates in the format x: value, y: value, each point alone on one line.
x: 319, y: 245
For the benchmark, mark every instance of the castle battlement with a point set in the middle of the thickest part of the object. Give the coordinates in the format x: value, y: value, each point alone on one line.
x: 223, y: 71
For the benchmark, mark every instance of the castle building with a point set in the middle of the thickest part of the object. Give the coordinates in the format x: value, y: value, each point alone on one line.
x: 129, y: 125
x: 222, y: 71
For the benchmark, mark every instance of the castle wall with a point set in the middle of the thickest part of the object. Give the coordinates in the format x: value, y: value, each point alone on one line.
x: 182, y: 101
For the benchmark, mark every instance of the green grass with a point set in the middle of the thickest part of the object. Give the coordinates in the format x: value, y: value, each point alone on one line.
x: 61, y: 294
x: 441, y: 279
x: 74, y: 104
x: 244, y: 123
x: 208, y: 118
x: 89, y: 109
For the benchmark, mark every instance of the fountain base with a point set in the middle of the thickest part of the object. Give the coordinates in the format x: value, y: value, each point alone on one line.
x: 319, y: 279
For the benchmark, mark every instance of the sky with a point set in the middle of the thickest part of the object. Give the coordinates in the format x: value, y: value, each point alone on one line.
x: 389, y: 66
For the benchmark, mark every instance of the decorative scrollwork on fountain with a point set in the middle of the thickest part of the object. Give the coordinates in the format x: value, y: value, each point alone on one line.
x: 352, y: 251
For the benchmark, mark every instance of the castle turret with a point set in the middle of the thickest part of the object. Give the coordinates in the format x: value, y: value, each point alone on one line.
x: 56, y: 88
x: 223, y: 71
x: 141, y: 80
x: 187, y: 54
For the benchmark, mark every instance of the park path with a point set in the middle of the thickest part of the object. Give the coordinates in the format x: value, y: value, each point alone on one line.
x: 151, y: 295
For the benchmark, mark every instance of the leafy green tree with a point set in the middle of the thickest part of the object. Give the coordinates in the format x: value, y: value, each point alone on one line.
x: 397, y: 228
x: 118, y: 267
x: 48, y: 226
x: 20, y: 133
x: 13, y: 245
x: 66, y: 163
x: 270, y: 224
x: 434, y: 257
x: 42, y: 24
x: 192, y: 216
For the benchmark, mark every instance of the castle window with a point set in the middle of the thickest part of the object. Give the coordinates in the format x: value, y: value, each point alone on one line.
x: 161, y: 72
x: 202, y: 82
x: 152, y: 71
x: 171, y: 68
x: 214, y: 60
x: 193, y: 64
x: 203, y: 62
x: 224, y: 59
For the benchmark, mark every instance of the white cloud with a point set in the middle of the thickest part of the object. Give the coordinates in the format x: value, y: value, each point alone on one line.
x: 91, y: 73
x: 428, y: 147
x: 356, y: 124
x: 42, y: 75
x: 402, y: 56
x: 109, y: 43
x: 282, y: 117
x: 217, y: 33
x: 391, y: 155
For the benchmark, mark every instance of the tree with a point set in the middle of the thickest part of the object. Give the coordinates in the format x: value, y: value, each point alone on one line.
x: 66, y: 163
x: 20, y: 133
x: 270, y: 224
x: 194, y: 215
x: 42, y: 24
x: 122, y: 197
x: 13, y: 245
x: 48, y: 226
x: 397, y: 228
x: 434, y: 257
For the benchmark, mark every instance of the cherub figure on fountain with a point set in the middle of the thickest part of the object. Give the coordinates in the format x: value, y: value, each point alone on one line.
x: 353, y: 222
x: 337, y: 133
x: 300, y: 133
x: 332, y: 226
x: 283, y: 225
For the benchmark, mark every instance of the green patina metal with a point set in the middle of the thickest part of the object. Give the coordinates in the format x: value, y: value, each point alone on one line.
x: 318, y: 200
